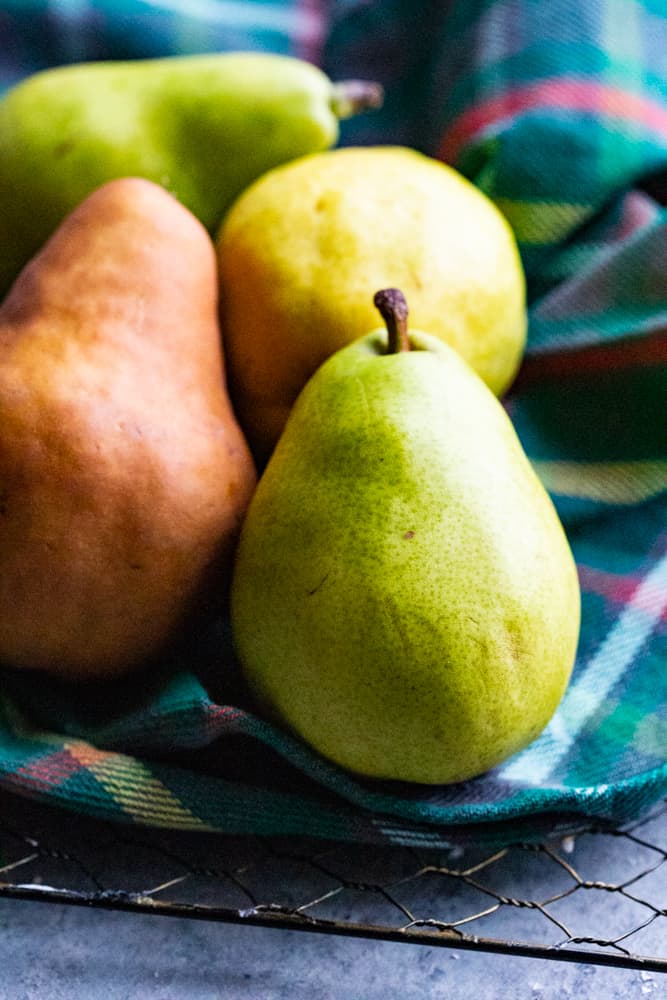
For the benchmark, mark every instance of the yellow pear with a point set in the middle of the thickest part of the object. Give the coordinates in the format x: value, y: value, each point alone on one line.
x: 124, y: 475
x: 304, y: 248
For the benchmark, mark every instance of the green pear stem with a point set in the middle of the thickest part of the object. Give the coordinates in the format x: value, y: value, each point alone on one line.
x: 391, y: 304
x: 351, y: 97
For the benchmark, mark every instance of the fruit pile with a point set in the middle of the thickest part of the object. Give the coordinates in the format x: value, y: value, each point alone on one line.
x: 202, y: 413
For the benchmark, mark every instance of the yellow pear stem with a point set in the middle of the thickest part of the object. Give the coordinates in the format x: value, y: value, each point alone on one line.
x: 391, y: 304
x: 351, y: 97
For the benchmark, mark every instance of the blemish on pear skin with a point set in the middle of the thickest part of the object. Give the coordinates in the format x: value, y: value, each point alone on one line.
x: 515, y: 643
x: 409, y: 534
x: 317, y: 587
x: 63, y: 148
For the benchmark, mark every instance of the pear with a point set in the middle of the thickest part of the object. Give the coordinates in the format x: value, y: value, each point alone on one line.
x: 124, y: 475
x: 404, y: 598
x: 203, y: 126
x: 304, y: 248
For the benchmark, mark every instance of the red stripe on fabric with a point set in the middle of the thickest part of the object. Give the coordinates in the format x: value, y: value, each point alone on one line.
x: 637, y: 212
x: 224, y: 713
x: 626, y: 588
x: 605, y: 584
x: 628, y: 353
x: 621, y: 589
x: 49, y: 771
x: 312, y: 18
x: 588, y: 96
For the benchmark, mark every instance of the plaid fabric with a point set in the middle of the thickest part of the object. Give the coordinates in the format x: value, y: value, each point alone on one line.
x: 559, y: 112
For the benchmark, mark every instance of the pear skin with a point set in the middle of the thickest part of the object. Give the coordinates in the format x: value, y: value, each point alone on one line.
x: 202, y: 126
x: 124, y: 475
x: 404, y: 596
x: 304, y: 248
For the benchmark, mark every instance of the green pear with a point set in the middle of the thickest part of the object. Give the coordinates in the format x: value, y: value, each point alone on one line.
x: 202, y: 126
x: 124, y: 475
x: 404, y: 597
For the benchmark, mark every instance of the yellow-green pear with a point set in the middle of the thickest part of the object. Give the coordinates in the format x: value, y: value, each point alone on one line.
x: 202, y: 126
x: 404, y: 597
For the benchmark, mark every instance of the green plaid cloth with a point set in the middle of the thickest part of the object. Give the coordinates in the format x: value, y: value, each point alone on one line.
x: 559, y: 112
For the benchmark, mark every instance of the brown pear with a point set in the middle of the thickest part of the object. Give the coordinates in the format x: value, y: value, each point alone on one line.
x: 124, y: 476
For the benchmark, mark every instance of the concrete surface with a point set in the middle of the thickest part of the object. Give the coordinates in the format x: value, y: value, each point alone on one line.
x: 57, y: 952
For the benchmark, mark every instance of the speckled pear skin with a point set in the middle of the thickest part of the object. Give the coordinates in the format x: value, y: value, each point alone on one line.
x: 404, y: 597
x: 202, y: 126
x: 124, y: 475
x: 303, y: 249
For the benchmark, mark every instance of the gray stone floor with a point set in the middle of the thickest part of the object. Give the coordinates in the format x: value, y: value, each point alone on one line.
x: 57, y: 952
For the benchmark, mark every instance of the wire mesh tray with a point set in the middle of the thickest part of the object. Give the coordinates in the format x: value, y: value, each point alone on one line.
x: 595, y: 897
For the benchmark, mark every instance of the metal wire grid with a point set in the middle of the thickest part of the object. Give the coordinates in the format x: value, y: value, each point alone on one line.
x: 597, y: 897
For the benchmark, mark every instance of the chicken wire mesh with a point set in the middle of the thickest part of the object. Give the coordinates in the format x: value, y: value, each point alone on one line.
x: 597, y: 896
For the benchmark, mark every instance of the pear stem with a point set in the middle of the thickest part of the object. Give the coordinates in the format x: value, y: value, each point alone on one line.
x: 351, y: 97
x: 391, y: 304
